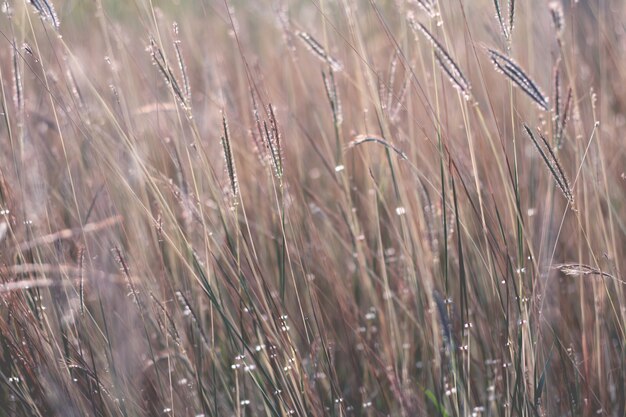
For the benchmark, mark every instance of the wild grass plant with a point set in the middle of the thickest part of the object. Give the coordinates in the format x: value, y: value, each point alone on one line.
x: 312, y: 208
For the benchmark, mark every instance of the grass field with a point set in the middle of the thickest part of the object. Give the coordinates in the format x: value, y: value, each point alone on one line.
x: 312, y: 208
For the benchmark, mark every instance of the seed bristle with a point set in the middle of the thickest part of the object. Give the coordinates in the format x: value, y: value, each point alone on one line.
x: 515, y: 73
x: 445, y: 61
x: 552, y: 163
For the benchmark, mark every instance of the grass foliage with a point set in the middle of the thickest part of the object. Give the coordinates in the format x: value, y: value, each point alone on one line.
x: 312, y: 208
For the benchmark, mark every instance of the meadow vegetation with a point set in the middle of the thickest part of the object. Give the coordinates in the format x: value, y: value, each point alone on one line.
x: 312, y: 208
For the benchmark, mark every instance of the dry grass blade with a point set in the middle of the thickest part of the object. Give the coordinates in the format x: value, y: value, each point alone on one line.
x: 81, y: 291
x: 333, y: 97
x: 27, y: 284
x: 395, y: 111
x: 444, y: 60
x: 511, y: 16
x: 156, y: 107
x: 318, y: 50
x: 126, y: 271
x: 556, y: 12
x: 65, y: 270
x: 274, y: 143
x: 503, y: 28
x: 444, y: 319
x: 393, y: 66
x: 46, y: 9
x: 183, y: 71
x: 562, y: 122
x: 515, y: 73
x: 560, y: 112
x: 181, y: 66
x: 557, y: 92
x: 576, y: 270
x: 18, y: 86
x: 429, y: 6
x: 361, y: 139
x: 335, y: 107
x: 230, y: 161
x: 166, y: 71
x: 71, y: 233
x: 257, y: 132
x: 4, y: 228
x: 552, y: 163
x: 189, y: 312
